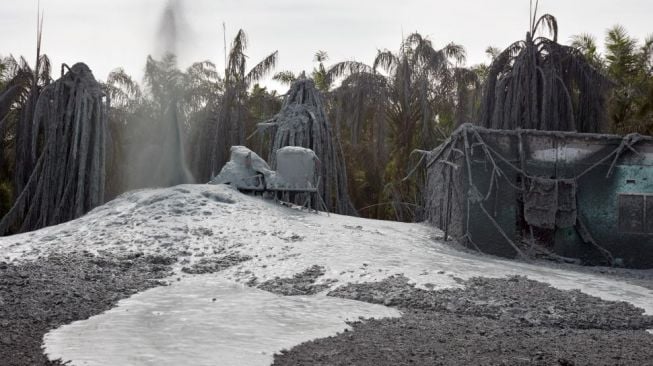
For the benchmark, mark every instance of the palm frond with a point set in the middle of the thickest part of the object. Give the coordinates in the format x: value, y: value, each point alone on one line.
x: 14, y: 90
x: 122, y: 87
x: 414, y: 40
x: 346, y: 68
x: 203, y: 69
x: 262, y: 68
x: 385, y: 60
x: 285, y: 77
x: 455, y: 51
x: 492, y: 52
x: 44, y: 70
x: 584, y: 42
x: 237, y: 58
x: 549, y: 23
x: 10, y: 67
x: 321, y: 56
x: 24, y: 64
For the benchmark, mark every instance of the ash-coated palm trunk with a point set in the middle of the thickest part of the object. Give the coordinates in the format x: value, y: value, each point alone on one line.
x: 302, y: 122
x: 65, y: 136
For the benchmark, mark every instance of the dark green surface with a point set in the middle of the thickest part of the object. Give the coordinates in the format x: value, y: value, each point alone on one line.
x: 597, y: 200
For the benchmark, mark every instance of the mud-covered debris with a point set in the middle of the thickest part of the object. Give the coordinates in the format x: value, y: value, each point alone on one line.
x: 302, y: 283
x: 160, y: 259
x: 213, y: 265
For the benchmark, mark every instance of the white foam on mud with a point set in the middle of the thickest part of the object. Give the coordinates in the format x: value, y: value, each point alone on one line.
x: 182, y: 325
x: 195, y: 222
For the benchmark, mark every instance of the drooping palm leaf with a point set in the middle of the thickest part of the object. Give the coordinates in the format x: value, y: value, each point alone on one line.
x: 285, y: 77
x: 262, y: 68
x: 540, y: 84
x: 345, y: 68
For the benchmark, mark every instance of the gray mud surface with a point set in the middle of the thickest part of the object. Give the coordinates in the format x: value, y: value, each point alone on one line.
x: 302, y: 283
x: 510, y: 321
x: 213, y: 265
x: 38, y: 296
x: 639, y: 277
x: 515, y: 300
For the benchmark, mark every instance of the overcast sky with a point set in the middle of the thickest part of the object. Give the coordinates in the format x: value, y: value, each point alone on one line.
x: 111, y: 33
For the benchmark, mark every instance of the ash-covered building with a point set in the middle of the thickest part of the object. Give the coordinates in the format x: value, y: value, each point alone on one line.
x: 587, y: 197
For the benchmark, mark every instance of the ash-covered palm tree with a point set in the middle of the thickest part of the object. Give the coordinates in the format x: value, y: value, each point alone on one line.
x: 25, y: 141
x: 68, y: 134
x: 231, y: 127
x: 408, y: 97
x: 160, y: 124
x: 303, y: 121
x: 538, y: 83
x: 20, y: 94
x: 142, y: 119
x: 15, y: 81
x: 21, y: 88
x: 154, y: 133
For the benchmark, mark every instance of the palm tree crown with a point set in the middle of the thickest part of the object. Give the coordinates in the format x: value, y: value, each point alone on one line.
x: 537, y: 83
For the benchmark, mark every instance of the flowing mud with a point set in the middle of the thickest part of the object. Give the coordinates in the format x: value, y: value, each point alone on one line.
x: 203, y: 229
x: 38, y: 296
x: 512, y: 321
x: 204, y: 321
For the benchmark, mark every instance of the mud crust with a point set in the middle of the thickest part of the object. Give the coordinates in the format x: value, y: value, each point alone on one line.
x: 510, y: 321
x: 213, y: 265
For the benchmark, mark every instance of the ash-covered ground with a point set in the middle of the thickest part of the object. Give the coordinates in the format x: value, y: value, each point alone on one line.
x: 40, y: 295
x: 457, y: 307
x: 512, y: 321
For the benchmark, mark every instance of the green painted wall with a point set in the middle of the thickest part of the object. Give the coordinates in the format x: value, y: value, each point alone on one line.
x: 597, y: 199
x: 598, y: 208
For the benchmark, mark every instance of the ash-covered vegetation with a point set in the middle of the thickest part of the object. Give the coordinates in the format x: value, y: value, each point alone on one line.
x: 70, y: 143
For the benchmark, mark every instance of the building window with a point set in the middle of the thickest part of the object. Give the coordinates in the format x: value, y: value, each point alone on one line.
x: 636, y: 213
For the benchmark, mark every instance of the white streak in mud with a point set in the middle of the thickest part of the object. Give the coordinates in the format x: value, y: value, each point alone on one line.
x: 182, y: 325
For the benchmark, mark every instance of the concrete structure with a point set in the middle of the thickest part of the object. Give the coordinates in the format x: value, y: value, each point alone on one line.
x: 297, y: 168
x: 296, y: 178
